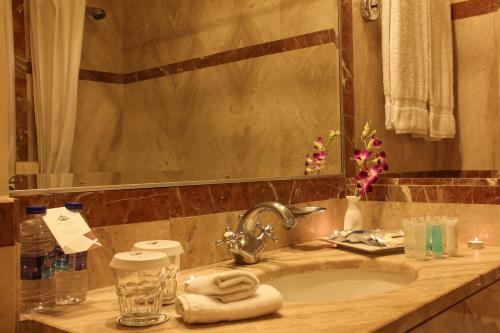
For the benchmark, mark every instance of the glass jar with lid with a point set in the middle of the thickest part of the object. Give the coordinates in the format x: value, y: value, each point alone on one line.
x: 139, y: 280
x: 173, y: 250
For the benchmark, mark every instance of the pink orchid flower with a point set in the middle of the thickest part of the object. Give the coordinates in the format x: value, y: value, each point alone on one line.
x: 381, y: 160
x: 360, y: 156
x: 375, y: 142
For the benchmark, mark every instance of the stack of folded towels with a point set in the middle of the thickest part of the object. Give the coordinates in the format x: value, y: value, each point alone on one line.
x: 226, y: 296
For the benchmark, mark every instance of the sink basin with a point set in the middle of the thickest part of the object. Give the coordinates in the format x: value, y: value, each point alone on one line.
x: 336, y: 285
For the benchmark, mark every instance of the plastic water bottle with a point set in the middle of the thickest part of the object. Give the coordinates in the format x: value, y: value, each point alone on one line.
x: 37, y: 262
x: 71, y: 271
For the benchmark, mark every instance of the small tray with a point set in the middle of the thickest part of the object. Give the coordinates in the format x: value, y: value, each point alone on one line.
x: 365, y: 248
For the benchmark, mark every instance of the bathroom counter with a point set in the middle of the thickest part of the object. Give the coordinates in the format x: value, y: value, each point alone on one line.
x: 439, y: 284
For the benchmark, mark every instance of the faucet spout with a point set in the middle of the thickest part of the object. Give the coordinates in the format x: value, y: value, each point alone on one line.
x: 250, y: 220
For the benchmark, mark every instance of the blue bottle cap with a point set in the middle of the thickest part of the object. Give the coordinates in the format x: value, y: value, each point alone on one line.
x: 36, y: 210
x: 73, y: 205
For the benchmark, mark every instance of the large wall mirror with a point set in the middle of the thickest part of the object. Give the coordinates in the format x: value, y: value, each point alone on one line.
x: 211, y: 91
x: 173, y: 91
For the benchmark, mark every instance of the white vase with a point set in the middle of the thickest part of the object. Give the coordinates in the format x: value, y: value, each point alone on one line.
x: 353, y: 219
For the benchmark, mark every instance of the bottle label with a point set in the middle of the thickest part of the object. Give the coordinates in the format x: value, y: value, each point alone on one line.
x: 70, y: 262
x: 37, y: 268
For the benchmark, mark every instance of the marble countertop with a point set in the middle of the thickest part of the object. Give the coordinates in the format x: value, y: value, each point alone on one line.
x: 439, y: 284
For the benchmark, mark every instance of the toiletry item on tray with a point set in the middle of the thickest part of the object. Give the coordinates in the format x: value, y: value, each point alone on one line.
x: 371, y: 241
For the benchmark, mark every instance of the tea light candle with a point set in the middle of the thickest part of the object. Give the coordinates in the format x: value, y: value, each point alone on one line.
x: 475, y: 244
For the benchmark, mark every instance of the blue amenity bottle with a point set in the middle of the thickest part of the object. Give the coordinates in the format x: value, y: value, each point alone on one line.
x: 36, y: 262
x: 437, y: 240
x: 71, y: 271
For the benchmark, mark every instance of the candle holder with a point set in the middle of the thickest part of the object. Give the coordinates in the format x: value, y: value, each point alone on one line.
x: 475, y: 244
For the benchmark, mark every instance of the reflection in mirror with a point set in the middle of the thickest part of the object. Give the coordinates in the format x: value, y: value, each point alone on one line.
x: 175, y: 91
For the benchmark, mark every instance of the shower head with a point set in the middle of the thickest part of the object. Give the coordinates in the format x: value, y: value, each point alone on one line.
x: 95, y: 13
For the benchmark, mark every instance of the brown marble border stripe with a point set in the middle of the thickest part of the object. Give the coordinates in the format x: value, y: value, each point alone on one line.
x: 347, y: 72
x: 440, y: 181
x: 437, y: 194
x: 244, y: 53
x: 8, y: 224
x: 444, y: 174
x: 20, y: 87
x: 97, y: 76
x: 470, y: 8
x: 103, y: 208
x: 435, y: 190
x: 259, y: 50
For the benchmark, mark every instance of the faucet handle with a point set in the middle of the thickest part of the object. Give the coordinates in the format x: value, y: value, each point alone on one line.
x: 228, y: 237
x: 267, y: 232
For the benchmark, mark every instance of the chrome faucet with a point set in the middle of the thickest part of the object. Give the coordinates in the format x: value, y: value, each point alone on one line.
x: 246, y: 245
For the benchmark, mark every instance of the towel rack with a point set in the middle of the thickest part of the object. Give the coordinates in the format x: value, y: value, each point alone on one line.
x: 369, y: 10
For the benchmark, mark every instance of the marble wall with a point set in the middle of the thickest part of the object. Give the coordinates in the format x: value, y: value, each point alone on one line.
x: 98, y: 135
x: 478, y: 220
x: 198, y: 235
x: 253, y: 118
x: 477, y: 91
x: 476, y: 94
x: 259, y: 126
x: 102, y: 48
x: 166, y: 31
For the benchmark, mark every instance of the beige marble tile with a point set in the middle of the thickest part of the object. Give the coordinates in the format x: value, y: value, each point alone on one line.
x: 212, y: 124
x: 158, y: 147
x: 477, y: 95
x: 99, y: 134
x: 299, y: 17
x: 8, y: 292
x: 161, y: 32
x: 308, y: 105
x: 198, y: 236
x: 102, y: 48
x: 120, y: 238
x: 473, y: 220
x: 237, y: 121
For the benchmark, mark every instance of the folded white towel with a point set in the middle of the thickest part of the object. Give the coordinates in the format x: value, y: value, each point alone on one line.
x: 405, y: 59
x: 227, y: 286
x: 441, y: 119
x: 205, y: 309
x: 417, y: 59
